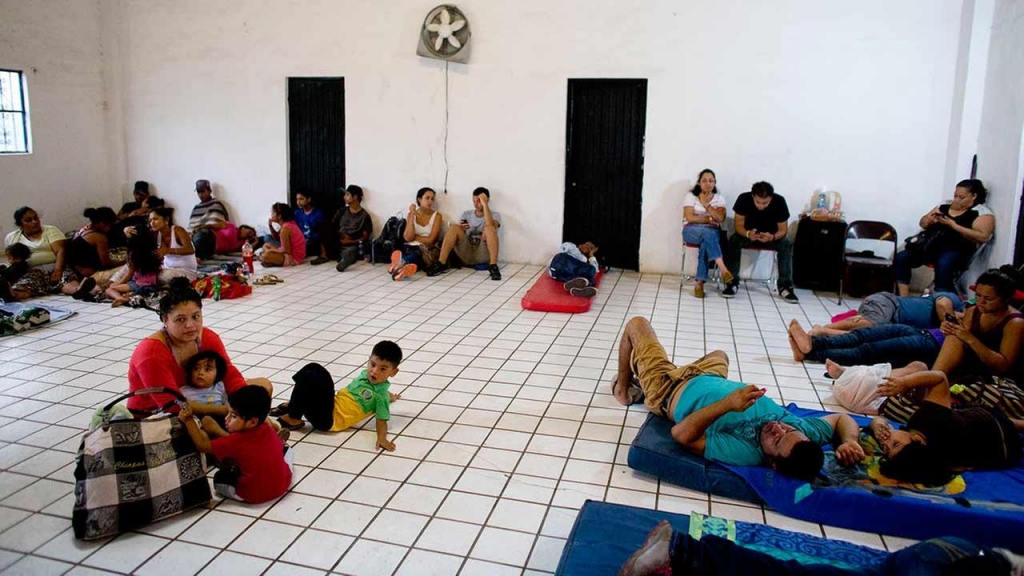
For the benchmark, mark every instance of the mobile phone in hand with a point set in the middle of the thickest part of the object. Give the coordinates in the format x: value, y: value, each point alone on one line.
x: 950, y: 317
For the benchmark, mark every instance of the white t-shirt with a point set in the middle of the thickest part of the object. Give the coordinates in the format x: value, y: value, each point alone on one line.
x: 689, y: 199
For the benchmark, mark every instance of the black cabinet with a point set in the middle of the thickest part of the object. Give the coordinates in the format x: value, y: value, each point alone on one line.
x: 818, y: 254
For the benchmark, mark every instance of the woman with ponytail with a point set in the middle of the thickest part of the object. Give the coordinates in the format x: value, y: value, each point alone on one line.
x: 159, y: 360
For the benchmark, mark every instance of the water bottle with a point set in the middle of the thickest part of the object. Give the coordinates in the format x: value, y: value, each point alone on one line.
x: 362, y: 256
x: 822, y: 201
x: 247, y: 265
x: 216, y: 287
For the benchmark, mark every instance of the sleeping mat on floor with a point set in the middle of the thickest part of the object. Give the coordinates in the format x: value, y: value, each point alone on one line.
x: 985, y: 507
x: 605, y: 535
x: 548, y: 295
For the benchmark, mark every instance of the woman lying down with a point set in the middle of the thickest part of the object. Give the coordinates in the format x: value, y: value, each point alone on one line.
x: 938, y: 438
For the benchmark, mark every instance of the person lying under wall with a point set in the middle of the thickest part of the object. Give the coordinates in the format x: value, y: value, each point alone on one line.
x: 724, y: 420
x: 576, y: 267
x: 923, y: 312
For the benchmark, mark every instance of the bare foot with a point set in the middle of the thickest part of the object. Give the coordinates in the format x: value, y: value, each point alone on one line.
x: 834, y: 370
x: 621, y: 391
x: 118, y: 302
x: 816, y: 330
x: 654, y: 556
x: 799, y: 341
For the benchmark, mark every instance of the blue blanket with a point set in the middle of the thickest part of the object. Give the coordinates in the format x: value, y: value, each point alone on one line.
x: 985, y: 507
x: 605, y: 535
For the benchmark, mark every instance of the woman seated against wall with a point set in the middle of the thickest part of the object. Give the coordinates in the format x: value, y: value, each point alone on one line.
x: 422, y: 229
x: 952, y: 233
x: 703, y: 218
x: 48, y: 251
x: 89, y: 251
x: 289, y: 247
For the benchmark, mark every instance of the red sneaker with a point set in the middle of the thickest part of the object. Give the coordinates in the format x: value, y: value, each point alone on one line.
x: 396, y: 261
x: 407, y: 270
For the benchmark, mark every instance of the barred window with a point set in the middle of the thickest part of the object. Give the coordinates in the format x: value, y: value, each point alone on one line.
x: 14, y: 125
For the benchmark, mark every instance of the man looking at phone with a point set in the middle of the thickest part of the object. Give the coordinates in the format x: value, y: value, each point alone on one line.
x: 474, y: 240
x: 761, y: 220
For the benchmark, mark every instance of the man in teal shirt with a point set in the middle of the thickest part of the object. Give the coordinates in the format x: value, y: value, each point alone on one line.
x: 724, y: 420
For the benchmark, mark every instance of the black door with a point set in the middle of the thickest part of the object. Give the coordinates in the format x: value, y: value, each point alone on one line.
x: 1018, y: 249
x: 604, y: 167
x: 316, y: 139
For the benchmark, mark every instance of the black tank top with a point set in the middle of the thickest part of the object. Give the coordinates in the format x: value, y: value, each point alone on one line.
x: 82, y: 254
x: 954, y: 241
x: 993, y: 340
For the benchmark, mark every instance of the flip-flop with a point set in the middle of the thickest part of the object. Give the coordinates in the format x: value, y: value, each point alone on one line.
x: 274, y: 279
x: 263, y: 281
x: 279, y: 410
x: 286, y: 426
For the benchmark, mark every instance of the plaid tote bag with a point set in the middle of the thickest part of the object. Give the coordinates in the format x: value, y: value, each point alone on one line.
x: 129, y: 473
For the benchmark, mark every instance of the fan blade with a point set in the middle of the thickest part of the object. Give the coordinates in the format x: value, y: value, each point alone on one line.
x: 438, y: 43
x: 454, y: 41
x: 433, y: 27
x: 445, y: 17
x: 457, y: 25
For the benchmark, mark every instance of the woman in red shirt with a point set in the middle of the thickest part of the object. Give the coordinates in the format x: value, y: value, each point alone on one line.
x: 159, y: 359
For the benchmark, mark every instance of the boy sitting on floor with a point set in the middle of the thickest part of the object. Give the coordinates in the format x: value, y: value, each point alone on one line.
x: 313, y: 396
x: 255, y: 466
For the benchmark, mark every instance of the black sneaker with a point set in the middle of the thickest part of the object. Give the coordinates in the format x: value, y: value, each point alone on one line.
x: 576, y: 283
x: 586, y: 292
x: 494, y: 272
x: 788, y: 295
x: 341, y: 266
x: 318, y: 261
x: 437, y: 269
x: 730, y: 290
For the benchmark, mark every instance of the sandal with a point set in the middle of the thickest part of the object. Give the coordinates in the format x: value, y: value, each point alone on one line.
x: 279, y: 410
x: 286, y: 426
x: 263, y: 281
x: 633, y: 389
x: 274, y: 279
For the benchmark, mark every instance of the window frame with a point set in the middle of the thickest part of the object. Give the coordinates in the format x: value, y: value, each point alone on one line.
x: 24, y: 112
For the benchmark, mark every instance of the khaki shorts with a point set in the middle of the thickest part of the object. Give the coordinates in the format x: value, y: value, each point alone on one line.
x: 659, y: 377
x: 472, y: 250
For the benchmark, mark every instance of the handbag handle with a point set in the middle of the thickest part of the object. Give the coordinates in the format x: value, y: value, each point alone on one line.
x: 158, y: 390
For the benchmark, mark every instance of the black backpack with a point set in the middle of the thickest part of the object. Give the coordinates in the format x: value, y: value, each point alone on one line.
x: 389, y: 240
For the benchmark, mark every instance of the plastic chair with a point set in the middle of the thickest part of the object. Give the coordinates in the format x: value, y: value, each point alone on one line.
x: 867, y: 230
x: 752, y: 267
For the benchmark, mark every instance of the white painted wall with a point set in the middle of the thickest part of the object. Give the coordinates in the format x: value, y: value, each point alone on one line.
x: 804, y: 94
x: 58, y: 44
x: 1000, y: 155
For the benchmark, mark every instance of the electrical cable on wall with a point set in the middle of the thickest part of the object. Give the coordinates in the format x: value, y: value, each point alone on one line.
x: 445, y: 149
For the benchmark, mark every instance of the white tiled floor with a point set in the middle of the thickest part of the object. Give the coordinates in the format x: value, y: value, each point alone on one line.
x: 505, y: 428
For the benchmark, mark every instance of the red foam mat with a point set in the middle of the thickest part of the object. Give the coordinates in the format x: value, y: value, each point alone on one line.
x: 548, y: 295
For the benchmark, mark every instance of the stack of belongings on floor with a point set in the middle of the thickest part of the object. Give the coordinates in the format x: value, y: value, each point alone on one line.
x: 14, y: 322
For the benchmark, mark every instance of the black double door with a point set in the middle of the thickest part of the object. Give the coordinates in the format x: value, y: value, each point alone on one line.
x: 604, y: 167
x: 316, y: 138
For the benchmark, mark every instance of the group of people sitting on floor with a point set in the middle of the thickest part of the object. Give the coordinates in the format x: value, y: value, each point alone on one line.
x: 153, y: 249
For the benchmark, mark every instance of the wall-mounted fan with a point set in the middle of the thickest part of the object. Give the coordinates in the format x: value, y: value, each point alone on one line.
x: 445, y: 35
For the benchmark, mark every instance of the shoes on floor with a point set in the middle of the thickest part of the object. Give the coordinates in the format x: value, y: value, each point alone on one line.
x: 396, y: 262
x: 318, y: 261
x: 730, y: 290
x: 788, y: 295
x: 342, y: 265
x: 84, y: 289
x: 437, y: 268
x: 494, y: 272
x: 698, y: 291
x: 404, y: 272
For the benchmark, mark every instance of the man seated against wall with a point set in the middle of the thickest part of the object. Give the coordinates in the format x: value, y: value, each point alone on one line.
x: 474, y: 240
x: 350, y: 227
x: 724, y: 420
x: 761, y: 220
x: 212, y: 233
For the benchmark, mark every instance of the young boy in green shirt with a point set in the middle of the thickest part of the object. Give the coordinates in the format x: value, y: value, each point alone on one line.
x: 367, y: 395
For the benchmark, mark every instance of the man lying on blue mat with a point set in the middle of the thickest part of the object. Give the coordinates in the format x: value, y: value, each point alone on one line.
x: 723, y: 420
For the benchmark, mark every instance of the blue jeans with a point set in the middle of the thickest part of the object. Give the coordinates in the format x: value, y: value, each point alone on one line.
x: 707, y: 237
x: 897, y: 344
x: 564, y: 267
x: 948, y: 266
x: 936, y: 557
